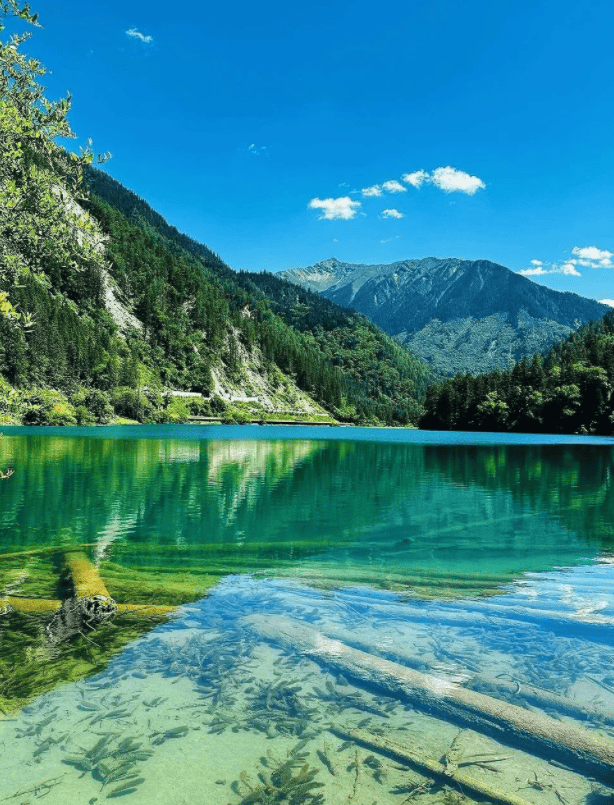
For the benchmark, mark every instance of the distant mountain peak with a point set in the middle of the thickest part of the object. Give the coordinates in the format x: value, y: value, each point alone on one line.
x: 459, y: 315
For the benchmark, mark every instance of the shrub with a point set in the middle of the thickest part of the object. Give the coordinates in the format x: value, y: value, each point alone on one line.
x: 218, y: 405
x: 98, y: 403
x: 84, y: 417
x: 129, y: 403
x: 61, y: 413
x: 47, y: 407
x: 177, y: 411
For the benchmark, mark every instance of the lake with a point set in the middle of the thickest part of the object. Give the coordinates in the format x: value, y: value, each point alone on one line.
x: 306, y: 615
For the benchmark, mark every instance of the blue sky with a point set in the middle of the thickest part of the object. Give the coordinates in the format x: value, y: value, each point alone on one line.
x: 281, y: 134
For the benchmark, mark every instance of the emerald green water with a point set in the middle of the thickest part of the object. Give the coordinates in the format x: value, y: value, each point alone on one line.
x: 484, y: 561
x: 177, y: 502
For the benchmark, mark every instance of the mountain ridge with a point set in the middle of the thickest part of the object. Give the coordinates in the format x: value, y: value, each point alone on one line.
x: 458, y: 315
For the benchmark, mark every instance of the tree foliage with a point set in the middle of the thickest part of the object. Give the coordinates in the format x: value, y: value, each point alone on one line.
x: 42, y: 230
x: 571, y: 390
x: 386, y: 380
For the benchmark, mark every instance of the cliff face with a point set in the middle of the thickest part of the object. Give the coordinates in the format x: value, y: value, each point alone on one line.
x: 458, y: 315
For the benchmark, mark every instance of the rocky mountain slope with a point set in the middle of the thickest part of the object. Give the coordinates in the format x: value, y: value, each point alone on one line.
x: 458, y: 315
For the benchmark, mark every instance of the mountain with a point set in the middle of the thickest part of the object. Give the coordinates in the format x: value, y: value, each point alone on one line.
x: 571, y: 390
x: 457, y: 315
x: 108, y: 311
x: 390, y: 376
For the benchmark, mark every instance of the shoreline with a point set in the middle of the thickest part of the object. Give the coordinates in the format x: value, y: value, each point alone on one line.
x: 257, y: 430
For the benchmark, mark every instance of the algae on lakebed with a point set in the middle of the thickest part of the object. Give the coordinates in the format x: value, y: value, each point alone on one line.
x: 30, y: 666
x: 221, y: 717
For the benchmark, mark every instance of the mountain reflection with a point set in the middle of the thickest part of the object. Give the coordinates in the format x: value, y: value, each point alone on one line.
x: 337, y: 509
x: 573, y: 485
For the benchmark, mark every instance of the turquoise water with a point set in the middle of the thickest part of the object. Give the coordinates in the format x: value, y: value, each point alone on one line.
x: 483, y: 561
x: 386, y: 498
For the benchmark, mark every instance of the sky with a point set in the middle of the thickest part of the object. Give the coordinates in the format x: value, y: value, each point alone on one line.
x: 282, y: 134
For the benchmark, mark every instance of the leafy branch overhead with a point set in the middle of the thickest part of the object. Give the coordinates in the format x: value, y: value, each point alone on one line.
x: 41, y: 224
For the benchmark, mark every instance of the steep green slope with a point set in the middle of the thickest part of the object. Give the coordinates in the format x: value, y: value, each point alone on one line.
x: 182, y: 329
x: 104, y: 306
x: 385, y: 371
x: 569, y: 391
x: 138, y: 211
x: 348, y: 364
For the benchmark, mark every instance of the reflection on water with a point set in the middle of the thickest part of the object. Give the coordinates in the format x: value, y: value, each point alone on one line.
x: 168, y: 504
x: 487, y: 568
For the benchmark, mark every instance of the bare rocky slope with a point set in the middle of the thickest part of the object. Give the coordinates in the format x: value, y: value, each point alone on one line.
x: 457, y: 315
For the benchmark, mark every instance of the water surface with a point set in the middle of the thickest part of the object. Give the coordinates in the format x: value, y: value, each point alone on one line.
x: 483, y: 560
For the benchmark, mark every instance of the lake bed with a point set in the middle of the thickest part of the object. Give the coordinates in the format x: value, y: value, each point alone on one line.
x: 483, y: 562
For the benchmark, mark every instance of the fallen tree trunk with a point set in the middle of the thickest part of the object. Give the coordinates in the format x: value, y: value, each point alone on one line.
x: 144, y: 610
x: 488, y: 684
x: 45, y: 551
x: 575, y: 747
x: 85, y: 577
x: 430, y: 768
x: 90, y: 605
x: 35, y: 605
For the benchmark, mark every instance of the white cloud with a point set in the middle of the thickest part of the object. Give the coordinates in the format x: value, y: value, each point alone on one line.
x: 593, y: 257
x: 392, y: 186
x: 609, y: 302
x: 453, y: 180
x: 417, y: 178
x: 256, y: 150
x: 447, y: 179
x: 343, y: 208
x: 588, y: 256
x: 538, y: 271
x: 135, y: 34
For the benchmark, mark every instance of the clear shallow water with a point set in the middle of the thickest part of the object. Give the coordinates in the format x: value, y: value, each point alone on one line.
x: 486, y: 565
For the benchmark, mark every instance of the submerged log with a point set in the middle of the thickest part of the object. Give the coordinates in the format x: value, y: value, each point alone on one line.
x: 431, y: 768
x: 85, y: 577
x: 35, y: 605
x: 489, y: 684
x: 144, y: 610
x: 46, y: 551
x: 89, y: 606
x: 575, y: 747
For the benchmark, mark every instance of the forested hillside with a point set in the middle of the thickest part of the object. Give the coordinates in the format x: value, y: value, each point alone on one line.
x: 568, y: 391
x: 386, y: 371
x: 359, y: 374
x: 105, y: 307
